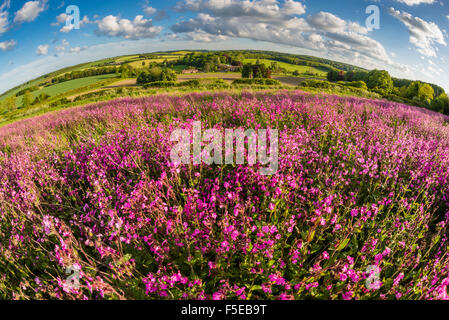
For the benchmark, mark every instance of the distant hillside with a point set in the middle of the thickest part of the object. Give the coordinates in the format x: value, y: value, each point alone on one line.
x: 119, y: 76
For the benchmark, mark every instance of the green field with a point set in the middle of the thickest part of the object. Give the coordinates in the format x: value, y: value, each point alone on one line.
x: 72, y: 84
x: 13, y: 92
x: 289, y: 67
x: 126, y: 58
x: 64, y: 87
x: 99, y: 87
x: 138, y: 64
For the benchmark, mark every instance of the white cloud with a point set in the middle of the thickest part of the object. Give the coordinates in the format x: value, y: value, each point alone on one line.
x: 78, y: 49
x: 60, y: 19
x: 138, y: 28
x: 3, y: 22
x: 424, y: 35
x: 7, y: 45
x: 322, y: 33
x: 266, y: 9
x: 416, y: 2
x: 66, y: 29
x: 204, y: 37
x: 30, y: 11
x: 294, y: 8
x: 50, y: 63
x: 326, y: 21
x: 64, y: 44
x: 4, y: 17
x: 149, y: 11
x: 42, y: 50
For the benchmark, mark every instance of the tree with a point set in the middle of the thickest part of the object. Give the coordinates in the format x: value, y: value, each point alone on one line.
x: 27, y: 99
x: 156, y: 74
x: 207, y: 67
x: 412, y: 89
x: 420, y: 92
x: 441, y: 104
x: 332, y: 75
x: 11, y: 103
x: 359, y: 76
x: 349, y: 76
x: 274, y: 67
x: 126, y: 71
x: 255, y: 71
x: 247, y: 71
x: 425, y: 92
x: 403, y: 91
x: 379, y: 81
x: 40, y: 98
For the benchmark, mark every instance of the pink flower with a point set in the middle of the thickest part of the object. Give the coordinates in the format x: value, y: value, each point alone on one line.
x: 378, y: 257
x: 350, y: 260
x: 398, y: 279
x: 311, y: 285
x: 347, y: 295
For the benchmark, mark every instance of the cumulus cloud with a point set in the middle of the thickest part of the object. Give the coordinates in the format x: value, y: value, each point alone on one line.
x: 149, y: 11
x: 4, y: 17
x: 42, y: 50
x: 416, y: 2
x: 424, y: 35
x: 60, y: 19
x: 204, y: 37
x: 268, y: 9
x: 3, y: 22
x: 294, y: 8
x: 281, y: 22
x: 327, y: 22
x: 30, y: 11
x: 7, y: 45
x: 66, y: 29
x: 138, y: 28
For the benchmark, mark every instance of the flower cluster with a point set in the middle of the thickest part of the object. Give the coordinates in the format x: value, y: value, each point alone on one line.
x: 360, y: 183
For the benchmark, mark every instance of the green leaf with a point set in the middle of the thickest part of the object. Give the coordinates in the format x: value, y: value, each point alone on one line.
x: 343, y: 244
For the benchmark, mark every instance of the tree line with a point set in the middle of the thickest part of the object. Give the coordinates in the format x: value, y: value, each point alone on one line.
x: 156, y: 74
x: 210, y: 61
x: 83, y: 74
x: 417, y: 93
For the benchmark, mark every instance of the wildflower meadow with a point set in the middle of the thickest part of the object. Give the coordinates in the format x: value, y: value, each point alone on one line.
x: 92, y: 207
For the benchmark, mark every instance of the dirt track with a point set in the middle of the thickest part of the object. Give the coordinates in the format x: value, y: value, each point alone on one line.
x: 118, y: 84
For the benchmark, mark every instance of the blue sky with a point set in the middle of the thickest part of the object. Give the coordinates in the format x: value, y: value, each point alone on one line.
x: 412, y: 41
